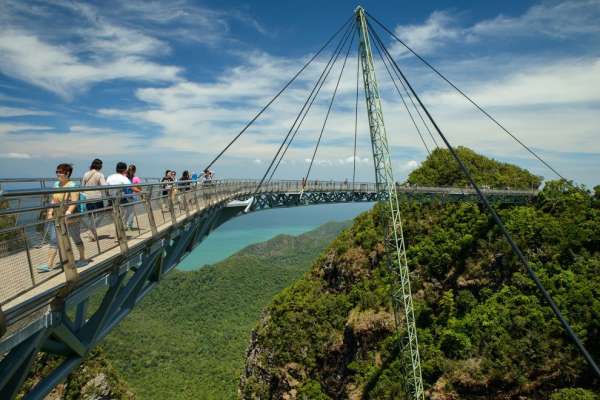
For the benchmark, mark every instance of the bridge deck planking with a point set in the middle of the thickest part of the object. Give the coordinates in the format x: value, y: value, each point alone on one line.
x: 16, y: 271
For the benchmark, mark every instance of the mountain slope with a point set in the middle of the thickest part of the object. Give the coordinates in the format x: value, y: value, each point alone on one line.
x: 483, y: 330
x: 187, y: 339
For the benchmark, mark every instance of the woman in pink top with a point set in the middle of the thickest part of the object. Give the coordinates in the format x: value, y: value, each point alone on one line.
x: 132, y: 196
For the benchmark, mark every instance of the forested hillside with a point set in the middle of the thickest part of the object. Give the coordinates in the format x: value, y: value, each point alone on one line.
x: 187, y: 338
x: 440, y: 169
x: 483, y: 331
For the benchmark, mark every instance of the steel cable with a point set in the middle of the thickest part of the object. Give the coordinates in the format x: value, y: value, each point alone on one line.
x: 401, y: 96
x: 328, y: 111
x: 480, y: 108
x: 515, y: 248
x: 356, y: 119
x: 320, y: 82
x: 335, y: 56
x: 278, y: 94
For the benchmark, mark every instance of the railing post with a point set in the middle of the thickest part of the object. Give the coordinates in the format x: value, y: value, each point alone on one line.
x: 64, y: 247
x: 147, y: 197
x: 119, y: 226
x: 28, y: 253
x: 172, y: 205
x: 196, y: 196
x: 184, y: 196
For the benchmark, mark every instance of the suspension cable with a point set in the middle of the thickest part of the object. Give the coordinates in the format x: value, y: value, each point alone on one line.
x: 355, y: 120
x: 328, y: 110
x: 278, y: 94
x: 480, y: 108
x: 320, y: 82
x: 379, y: 52
x: 515, y: 248
x: 409, y: 97
x: 338, y: 50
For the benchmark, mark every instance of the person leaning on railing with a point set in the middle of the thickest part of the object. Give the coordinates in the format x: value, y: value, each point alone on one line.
x: 63, y: 173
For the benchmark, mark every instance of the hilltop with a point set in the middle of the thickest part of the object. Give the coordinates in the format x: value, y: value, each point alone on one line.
x: 440, y: 169
x: 483, y: 330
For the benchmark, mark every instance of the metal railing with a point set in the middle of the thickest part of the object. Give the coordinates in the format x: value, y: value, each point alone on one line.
x: 29, y: 239
x: 35, y: 249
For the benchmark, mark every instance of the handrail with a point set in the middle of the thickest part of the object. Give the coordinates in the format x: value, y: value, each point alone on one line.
x: 26, y: 243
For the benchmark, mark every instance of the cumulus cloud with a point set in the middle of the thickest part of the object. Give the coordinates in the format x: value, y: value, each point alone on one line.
x: 74, y: 45
x: 557, y: 20
x: 409, y: 166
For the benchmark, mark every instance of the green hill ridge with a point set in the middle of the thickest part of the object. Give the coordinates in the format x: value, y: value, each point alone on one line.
x: 187, y: 338
x: 483, y: 331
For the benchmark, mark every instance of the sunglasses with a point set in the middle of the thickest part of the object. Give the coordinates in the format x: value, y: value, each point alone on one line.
x: 59, y: 173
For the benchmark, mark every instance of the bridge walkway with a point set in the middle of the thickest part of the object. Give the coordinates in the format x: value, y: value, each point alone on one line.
x: 24, y: 247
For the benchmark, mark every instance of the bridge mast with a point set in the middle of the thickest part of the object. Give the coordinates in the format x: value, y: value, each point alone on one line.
x: 386, y: 186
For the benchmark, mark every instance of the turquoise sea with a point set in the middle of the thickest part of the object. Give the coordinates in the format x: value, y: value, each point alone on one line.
x: 260, y: 226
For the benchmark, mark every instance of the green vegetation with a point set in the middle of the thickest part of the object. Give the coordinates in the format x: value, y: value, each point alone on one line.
x: 95, y: 378
x: 483, y: 330
x: 440, y: 169
x: 187, y: 339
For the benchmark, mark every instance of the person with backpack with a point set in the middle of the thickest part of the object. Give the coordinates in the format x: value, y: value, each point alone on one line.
x: 93, y: 177
x: 63, y: 173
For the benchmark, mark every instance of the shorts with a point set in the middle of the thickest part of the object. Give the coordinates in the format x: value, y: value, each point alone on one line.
x: 74, y: 229
x: 94, y: 206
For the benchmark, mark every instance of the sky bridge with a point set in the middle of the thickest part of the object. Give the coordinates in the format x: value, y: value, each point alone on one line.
x: 127, y: 264
x: 109, y: 258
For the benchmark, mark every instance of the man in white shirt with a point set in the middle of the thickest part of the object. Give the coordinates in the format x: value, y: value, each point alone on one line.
x: 120, y: 178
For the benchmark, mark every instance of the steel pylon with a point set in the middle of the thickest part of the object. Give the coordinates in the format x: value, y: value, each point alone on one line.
x: 394, y: 241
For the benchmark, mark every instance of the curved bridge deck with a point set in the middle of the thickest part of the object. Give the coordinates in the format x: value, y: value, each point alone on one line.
x: 166, y: 225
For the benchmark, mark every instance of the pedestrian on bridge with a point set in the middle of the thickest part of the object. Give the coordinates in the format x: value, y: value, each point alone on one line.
x: 94, y: 177
x: 63, y: 173
x: 133, y: 194
x: 167, y: 187
x: 119, y: 178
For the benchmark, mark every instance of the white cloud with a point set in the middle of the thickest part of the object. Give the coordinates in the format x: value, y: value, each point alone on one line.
x: 20, y: 112
x: 557, y: 20
x: 561, y: 82
x: 409, y: 166
x: 81, y: 140
x: 439, y: 27
x: 6, y: 128
x: 15, y: 155
x: 57, y: 69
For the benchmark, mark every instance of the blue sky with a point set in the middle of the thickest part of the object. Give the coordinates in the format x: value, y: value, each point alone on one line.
x: 166, y: 85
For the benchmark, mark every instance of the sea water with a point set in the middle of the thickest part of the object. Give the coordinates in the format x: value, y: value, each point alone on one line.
x: 260, y: 226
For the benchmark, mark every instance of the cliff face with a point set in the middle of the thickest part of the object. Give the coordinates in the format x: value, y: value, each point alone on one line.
x: 483, y: 330
x: 94, y: 379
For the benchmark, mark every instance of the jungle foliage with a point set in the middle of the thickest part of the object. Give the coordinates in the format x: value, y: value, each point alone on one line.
x: 187, y: 338
x: 440, y: 169
x: 484, y: 331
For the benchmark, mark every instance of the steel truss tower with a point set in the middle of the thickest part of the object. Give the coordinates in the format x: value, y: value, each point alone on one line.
x: 394, y: 240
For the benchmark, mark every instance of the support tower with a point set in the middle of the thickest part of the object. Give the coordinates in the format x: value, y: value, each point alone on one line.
x: 394, y: 240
